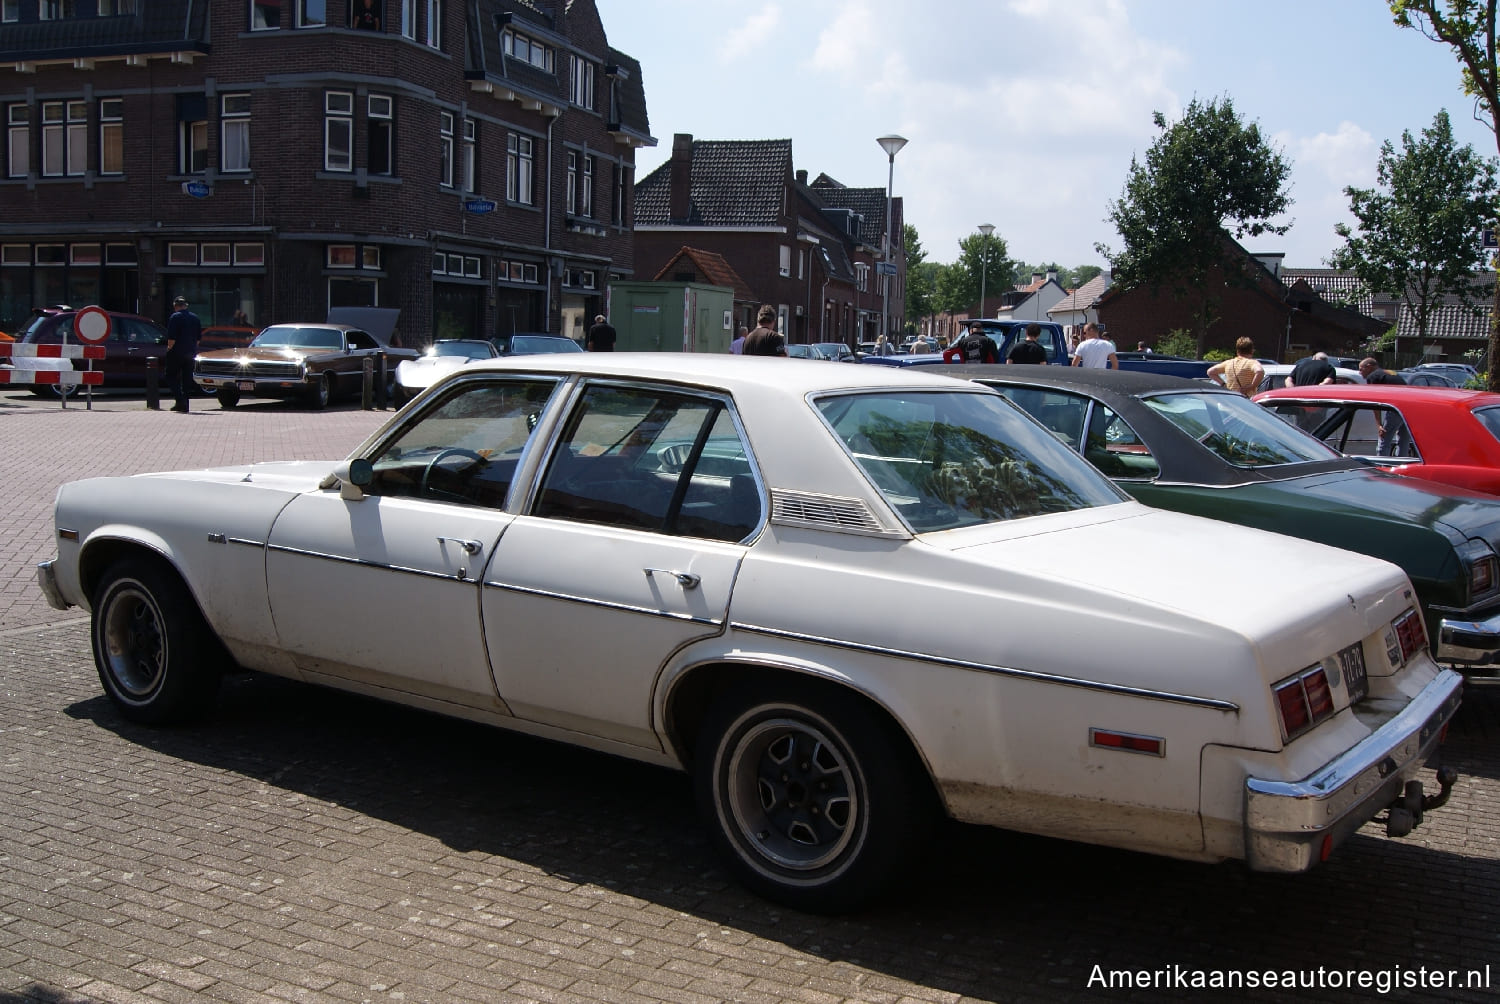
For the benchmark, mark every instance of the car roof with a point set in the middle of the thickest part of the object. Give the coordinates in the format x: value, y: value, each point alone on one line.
x: 1387, y: 393
x: 1121, y: 383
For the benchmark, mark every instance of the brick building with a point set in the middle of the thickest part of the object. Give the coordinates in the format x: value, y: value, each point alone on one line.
x: 809, y: 249
x: 469, y: 163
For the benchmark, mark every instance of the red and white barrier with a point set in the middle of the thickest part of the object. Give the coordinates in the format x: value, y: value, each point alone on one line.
x: 23, y: 374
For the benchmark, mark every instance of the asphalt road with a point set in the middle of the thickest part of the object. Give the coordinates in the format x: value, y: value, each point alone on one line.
x: 307, y: 845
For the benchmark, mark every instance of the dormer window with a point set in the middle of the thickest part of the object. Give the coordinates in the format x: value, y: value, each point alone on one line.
x: 526, y: 49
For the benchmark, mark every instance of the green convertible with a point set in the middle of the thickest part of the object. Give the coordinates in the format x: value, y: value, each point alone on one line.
x: 1194, y: 447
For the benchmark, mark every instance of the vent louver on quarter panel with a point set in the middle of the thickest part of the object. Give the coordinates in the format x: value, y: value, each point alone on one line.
x: 826, y: 512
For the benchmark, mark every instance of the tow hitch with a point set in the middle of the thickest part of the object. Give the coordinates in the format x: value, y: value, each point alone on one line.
x: 1405, y: 813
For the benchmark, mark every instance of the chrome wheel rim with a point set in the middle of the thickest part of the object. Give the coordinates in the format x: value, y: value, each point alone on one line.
x: 133, y: 641
x: 791, y: 793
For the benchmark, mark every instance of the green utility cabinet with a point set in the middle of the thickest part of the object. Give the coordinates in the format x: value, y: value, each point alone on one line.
x: 671, y: 316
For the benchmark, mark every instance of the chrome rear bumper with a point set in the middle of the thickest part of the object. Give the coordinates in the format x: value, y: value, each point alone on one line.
x: 1469, y: 641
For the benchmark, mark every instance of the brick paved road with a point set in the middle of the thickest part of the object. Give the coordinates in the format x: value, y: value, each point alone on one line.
x: 306, y: 845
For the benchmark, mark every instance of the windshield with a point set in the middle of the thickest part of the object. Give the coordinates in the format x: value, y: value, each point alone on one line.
x: 468, y: 350
x: 1238, y: 430
x: 292, y: 337
x: 532, y: 344
x: 945, y: 460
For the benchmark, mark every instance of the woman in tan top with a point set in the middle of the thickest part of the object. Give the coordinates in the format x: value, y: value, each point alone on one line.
x: 1242, y: 373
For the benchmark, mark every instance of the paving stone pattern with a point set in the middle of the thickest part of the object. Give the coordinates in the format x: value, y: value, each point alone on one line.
x: 306, y: 845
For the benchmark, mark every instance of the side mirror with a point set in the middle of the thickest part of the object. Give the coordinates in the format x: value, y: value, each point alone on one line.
x: 350, y: 479
x: 361, y: 472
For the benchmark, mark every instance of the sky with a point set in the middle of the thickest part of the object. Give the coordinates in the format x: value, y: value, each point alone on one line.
x: 1026, y: 113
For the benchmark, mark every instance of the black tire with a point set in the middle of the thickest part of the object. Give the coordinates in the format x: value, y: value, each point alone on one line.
x: 321, y: 393
x: 816, y: 799
x: 157, y: 659
x: 228, y: 397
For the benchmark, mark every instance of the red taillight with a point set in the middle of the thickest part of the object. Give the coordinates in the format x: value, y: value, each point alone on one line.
x: 1412, y: 634
x: 1304, y: 700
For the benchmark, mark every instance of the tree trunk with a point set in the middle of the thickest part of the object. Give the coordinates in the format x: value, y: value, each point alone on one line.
x: 1492, y: 374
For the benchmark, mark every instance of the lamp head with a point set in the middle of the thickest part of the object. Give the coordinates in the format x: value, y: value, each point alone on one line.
x: 891, y: 145
x: 986, y: 228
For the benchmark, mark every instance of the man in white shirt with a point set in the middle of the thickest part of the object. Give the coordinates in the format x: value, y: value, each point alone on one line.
x: 1095, y: 351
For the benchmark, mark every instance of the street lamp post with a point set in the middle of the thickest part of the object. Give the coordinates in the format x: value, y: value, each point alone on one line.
x: 984, y: 261
x: 891, y: 145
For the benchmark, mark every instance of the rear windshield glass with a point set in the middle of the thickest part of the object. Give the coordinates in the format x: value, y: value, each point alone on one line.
x: 1238, y: 430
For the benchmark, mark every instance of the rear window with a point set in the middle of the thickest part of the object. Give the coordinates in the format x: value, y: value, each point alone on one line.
x: 1490, y: 419
x: 1237, y: 430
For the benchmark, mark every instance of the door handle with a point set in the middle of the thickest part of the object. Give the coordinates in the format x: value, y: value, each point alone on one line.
x: 687, y: 580
x: 469, y: 546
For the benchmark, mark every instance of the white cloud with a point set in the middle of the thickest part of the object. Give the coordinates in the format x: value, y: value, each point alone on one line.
x: 757, y: 29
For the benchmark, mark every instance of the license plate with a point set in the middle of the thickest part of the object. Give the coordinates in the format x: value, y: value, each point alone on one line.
x: 247, y: 385
x: 1352, y: 662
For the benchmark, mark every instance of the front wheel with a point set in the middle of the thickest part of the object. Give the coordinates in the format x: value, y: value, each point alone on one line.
x: 157, y: 658
x: 815, y: 798
x: 322, y: 392
x: 228, y: 396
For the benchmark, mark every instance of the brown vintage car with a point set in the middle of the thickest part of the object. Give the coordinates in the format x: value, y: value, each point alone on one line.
x: 313, y: 360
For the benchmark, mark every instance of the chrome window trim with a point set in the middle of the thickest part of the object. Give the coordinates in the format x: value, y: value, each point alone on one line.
x: 1024, y: 674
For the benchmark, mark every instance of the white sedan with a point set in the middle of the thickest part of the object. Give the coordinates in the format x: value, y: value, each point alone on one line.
x: 849, y: 600
x: 441, y: 358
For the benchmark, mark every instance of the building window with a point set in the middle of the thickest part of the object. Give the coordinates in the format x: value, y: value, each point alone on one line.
x: 192, y: 134
x: 113, y: 8
x: 111, y: 136
x: 379, y: 111
x: 583, y: 83
x: 435, y: 23
x: 861, y: 276
x: 265, y: 14
x: 312, y: 13
x: 342, y: 256
x: 55, y: 10
x: 470, y: 175
x: 409, y: 19
x: 572, y: 184
x: 234, y: 137
x: 365, y: 15
x: 215, y: 254
x: 801, y: 263
x: 64, y: 138
x: 249, y: 254
x: 445, y: 149
x: 527, y: 50
x: 586, y: 196
x: 10, y: 10
x: 784, y: 263
x: 182, y: 254
x: 338, y: 131
x: 17, y: 140
x: 518, y: 169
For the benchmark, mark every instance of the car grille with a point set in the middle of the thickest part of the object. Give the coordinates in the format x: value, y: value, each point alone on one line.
x: 232, y: 368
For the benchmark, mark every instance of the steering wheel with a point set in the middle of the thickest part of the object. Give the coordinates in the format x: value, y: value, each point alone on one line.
x: 451, y: 451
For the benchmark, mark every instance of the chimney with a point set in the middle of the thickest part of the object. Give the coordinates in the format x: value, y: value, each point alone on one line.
x: 680, y: 197
x: 802, y: 177
x: 1051, y: 275
x: 1036, y: 277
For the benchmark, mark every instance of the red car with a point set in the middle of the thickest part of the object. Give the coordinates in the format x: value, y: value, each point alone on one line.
x: 1452, y: 436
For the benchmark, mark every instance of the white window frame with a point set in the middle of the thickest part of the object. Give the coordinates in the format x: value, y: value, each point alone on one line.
x: 445, y: 149
x: 784, y: 261
x: 409, y: 19
x: 520, y: 170
x: 54, y: 139
x: 111, y: 136
x: 380, y: 117
x: 193, y: 137
x: 571, y: 201
x: 50, y: 10
x: 338, y: 118
x: 434, y: 37
x: 18, y: 140
x: 586, y: 196
x: 215, y: 253
x: 10, y: 10
x: 259, y: 12
x: 308, y: 15
x: 234, y: 133
x: 114, y: 8
x: 581, y: 82
x: 526, y: 49
x: 467, y: 162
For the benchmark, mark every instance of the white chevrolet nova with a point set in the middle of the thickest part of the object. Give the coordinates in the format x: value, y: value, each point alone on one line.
x: 847, y: 599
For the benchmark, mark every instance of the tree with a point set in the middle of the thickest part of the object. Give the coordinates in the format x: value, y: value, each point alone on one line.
x: 1084, y: 274
x: 981, y: 261
x: 1468, y: 28
x: 919, y: 276
x: 1206, y: 173
x: 1419, y: 236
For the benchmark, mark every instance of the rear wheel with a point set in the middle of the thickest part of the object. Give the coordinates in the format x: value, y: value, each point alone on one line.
x: 815, y: 798
x: 157, y: 659
x: 228, y: 397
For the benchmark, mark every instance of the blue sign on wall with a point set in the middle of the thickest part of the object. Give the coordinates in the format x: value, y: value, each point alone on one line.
x: 479, y: 206
x: 197, y: 189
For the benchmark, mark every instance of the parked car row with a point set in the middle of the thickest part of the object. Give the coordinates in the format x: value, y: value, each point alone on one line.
x: 690, y: 560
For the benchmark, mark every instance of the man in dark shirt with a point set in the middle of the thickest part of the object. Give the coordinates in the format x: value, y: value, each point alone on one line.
x: 183, y: 330
x: 601, y: 336
x: 1029, y: 350
x: 978, y: 347
x: 765, y: 340
x: 1311, y: 371
x: 1393, y: 437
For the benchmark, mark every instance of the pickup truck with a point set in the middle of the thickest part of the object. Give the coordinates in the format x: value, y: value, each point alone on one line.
x: 1160, y: 362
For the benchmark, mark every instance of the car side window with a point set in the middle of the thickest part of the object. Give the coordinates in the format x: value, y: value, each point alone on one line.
x: 1115, y: 449
x: 466, y: 447
x: 361, y: 340
x: 1063, y: 414
x: 138, y: 332
x: 655, y: 460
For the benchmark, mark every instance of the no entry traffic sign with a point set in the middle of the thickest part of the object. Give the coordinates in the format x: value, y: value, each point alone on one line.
x: 91, y: 324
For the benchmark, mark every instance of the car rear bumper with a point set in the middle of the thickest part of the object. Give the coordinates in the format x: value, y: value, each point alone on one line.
x: 1469, y: 641
x: 1292, y: 825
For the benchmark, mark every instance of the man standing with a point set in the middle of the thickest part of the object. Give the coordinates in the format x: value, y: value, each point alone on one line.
x: 977, y: 347
x: 1393, y: 436
x: 1311, y: 371
x: 183, y: 330
x: 1095, y: 352
x: 765, y: 340
x: 601, y: 336
x: 737, y: 347
x: 1029, y: 350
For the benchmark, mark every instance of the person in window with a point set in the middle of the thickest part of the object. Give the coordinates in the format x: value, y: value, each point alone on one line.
x: 367, y: 18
